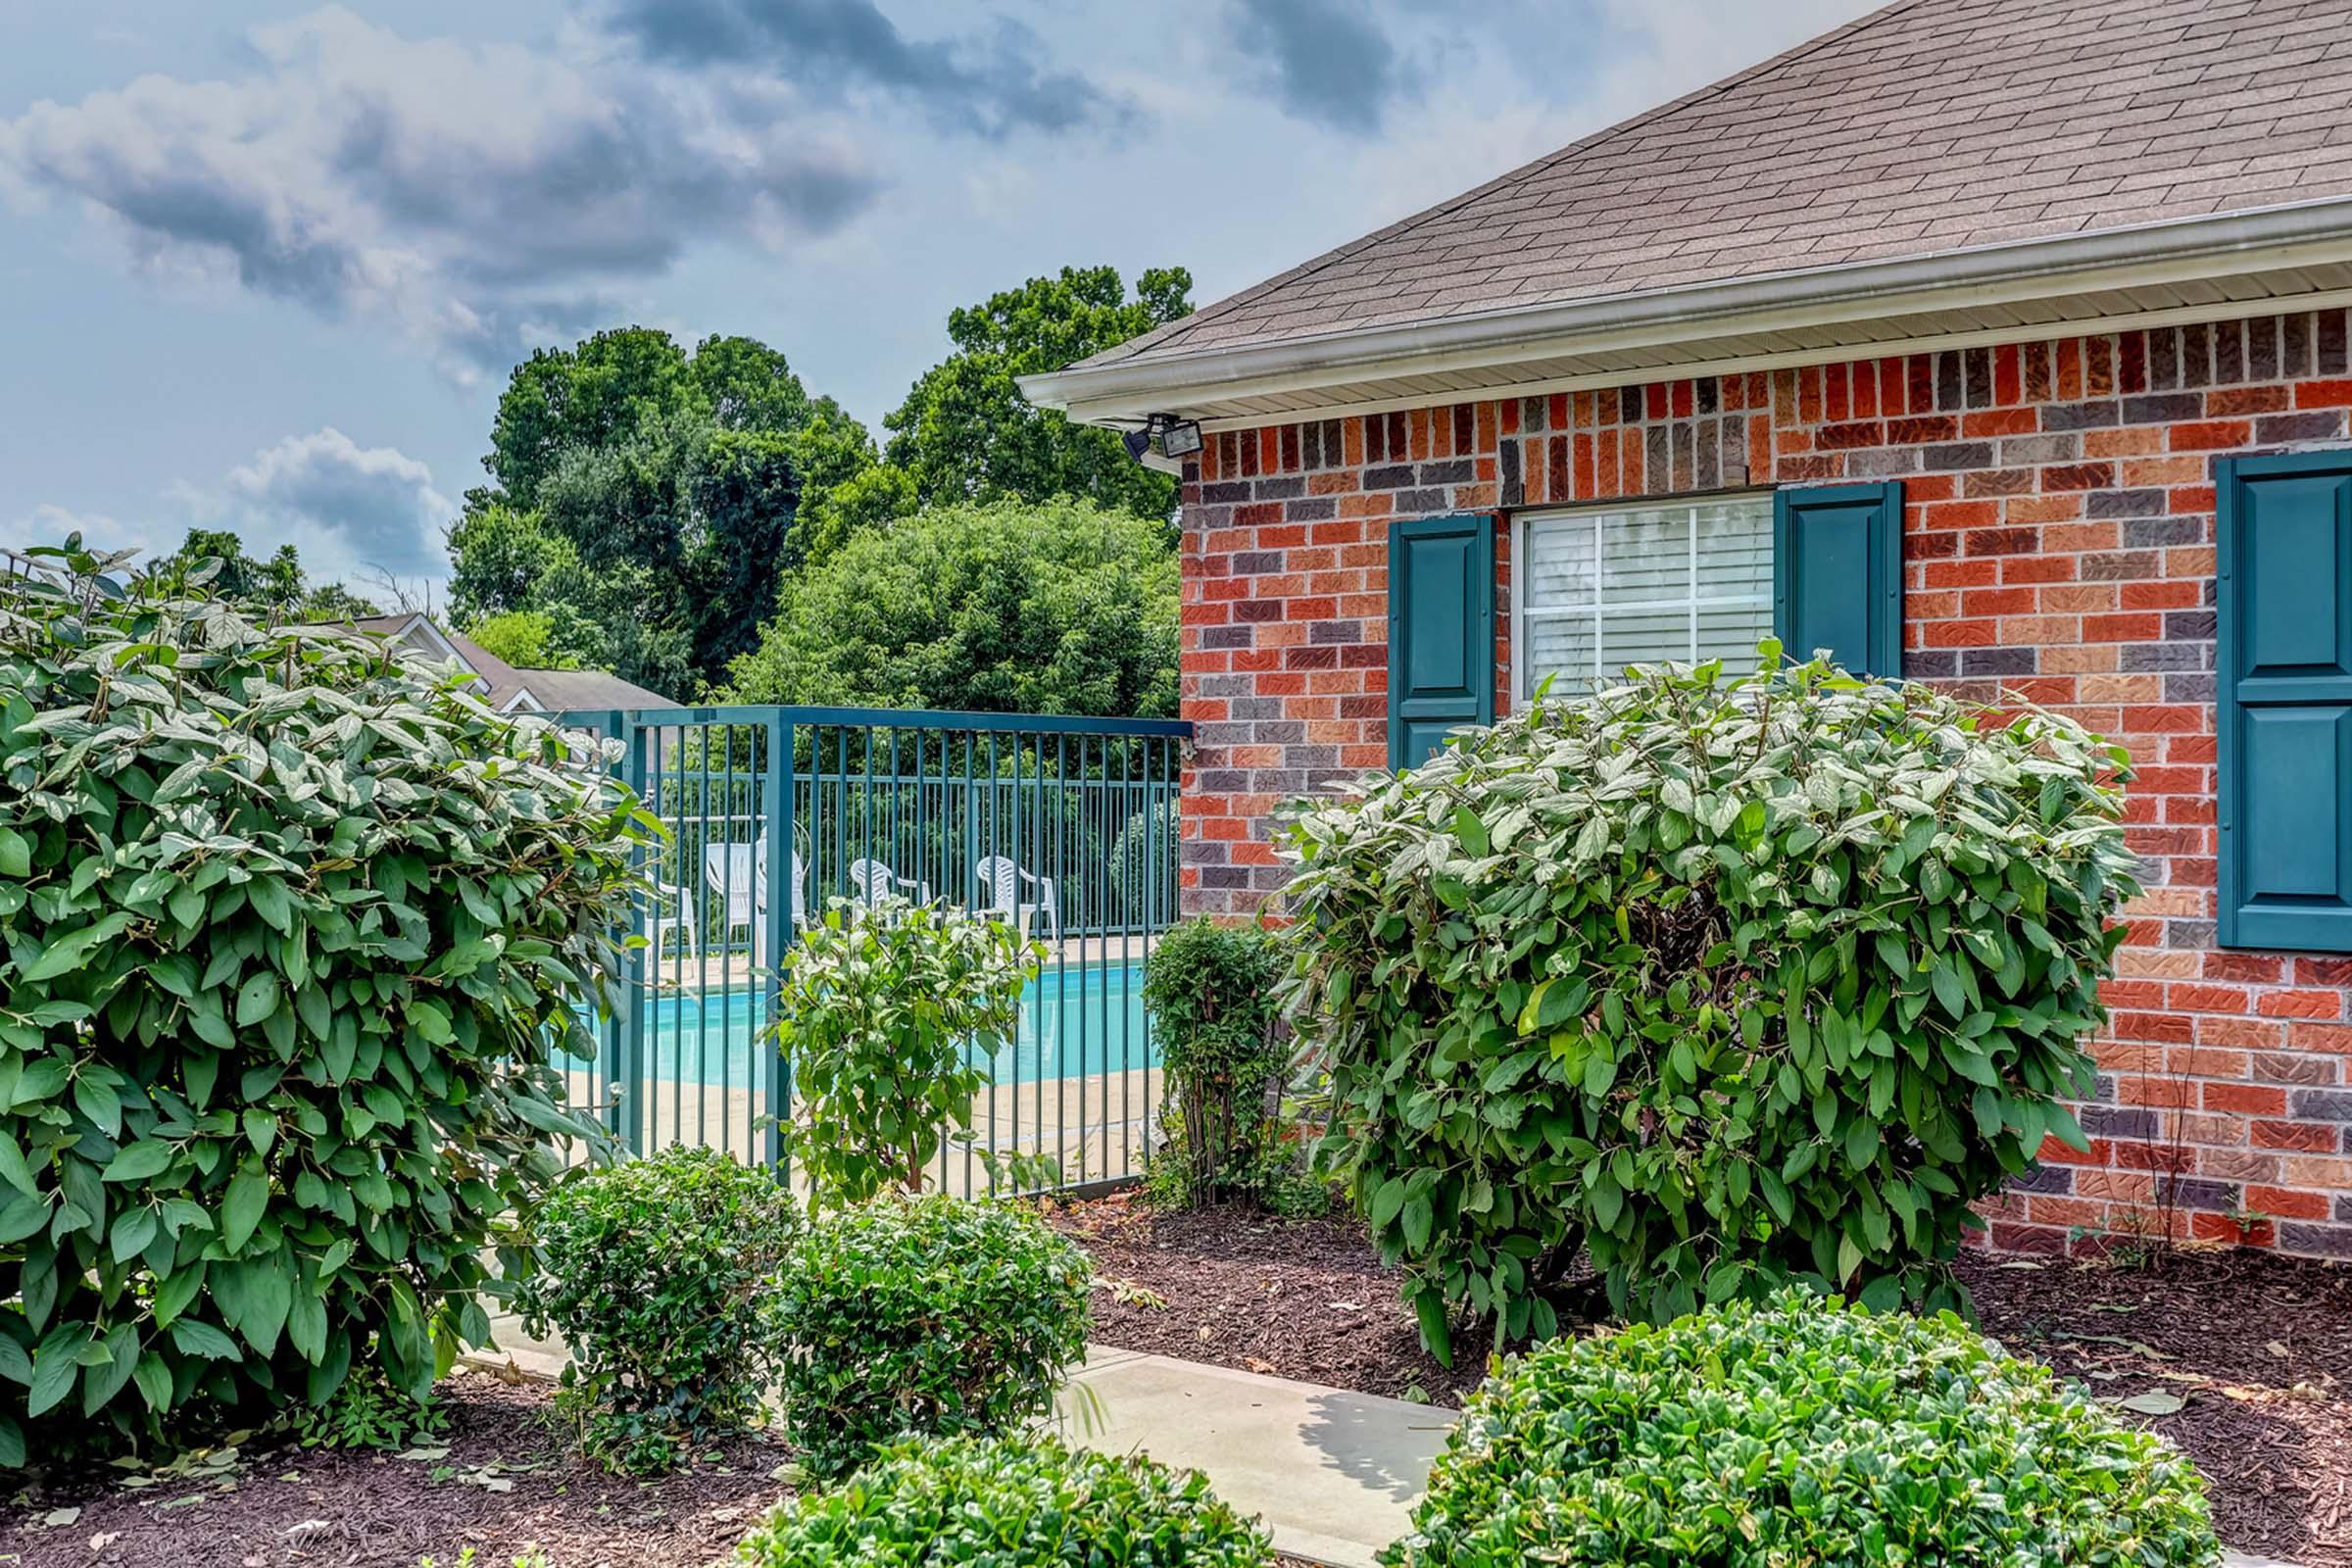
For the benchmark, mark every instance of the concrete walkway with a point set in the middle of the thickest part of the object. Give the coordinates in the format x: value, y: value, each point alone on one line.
x: 1334, y: 1475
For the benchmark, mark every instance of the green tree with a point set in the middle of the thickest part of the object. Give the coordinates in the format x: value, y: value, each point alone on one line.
x: 658, y: 494
x: 527, y: 639
x: 277, y: 590
x: 1061, y: 607
x: 965, y: 432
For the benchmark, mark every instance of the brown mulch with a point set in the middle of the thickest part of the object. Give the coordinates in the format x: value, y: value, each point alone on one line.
x: 1305, y: 1299
x: 2258, y: 1347
x: 277, y: 1504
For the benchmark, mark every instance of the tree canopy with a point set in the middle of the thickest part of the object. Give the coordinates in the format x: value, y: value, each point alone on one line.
x: 658, y: 506
x: 1058, y: 607
x: 275, y: 590
x: 652, y: 493
x: 965, y: 432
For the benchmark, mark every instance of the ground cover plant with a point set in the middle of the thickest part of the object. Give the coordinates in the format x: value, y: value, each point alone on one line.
x: 1721, y: 980
x: 890, y: 1016
x: 1015, y: 1502
x: 1798, y: 1429
x: 1210, y: 989
x: 927, y: 1315
x: 655, y: 1271
x: 289, y: 930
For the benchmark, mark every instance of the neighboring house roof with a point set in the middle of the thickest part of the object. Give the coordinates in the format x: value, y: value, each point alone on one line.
x: 2007, y: 132
x: 505, y: 687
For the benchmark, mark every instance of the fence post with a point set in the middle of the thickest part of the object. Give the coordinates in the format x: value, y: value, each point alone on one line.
x: 783, y: 885
x: 634, y: 1108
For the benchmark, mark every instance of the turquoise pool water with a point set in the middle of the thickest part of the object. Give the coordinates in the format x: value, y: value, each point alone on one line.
x: 1074, y: 1021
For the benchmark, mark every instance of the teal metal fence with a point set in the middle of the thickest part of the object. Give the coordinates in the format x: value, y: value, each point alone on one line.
x: 1066, y: 826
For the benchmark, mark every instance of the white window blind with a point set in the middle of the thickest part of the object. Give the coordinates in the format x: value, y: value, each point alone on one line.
x: 1637, y: 585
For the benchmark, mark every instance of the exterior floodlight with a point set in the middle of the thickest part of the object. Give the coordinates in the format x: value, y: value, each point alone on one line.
x: 1179, y: 438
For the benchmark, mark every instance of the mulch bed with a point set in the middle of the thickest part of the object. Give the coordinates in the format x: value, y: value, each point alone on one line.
x: 2258, y: 1348
x: 506, y: 1485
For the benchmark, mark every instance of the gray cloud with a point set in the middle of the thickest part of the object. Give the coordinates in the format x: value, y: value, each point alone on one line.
x: 1331, y: 61
x: 348, y: 509
x: 475, y: 195
x: 991, y: 83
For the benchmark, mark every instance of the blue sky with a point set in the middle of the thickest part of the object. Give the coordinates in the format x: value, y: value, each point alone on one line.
x: 267, y: 265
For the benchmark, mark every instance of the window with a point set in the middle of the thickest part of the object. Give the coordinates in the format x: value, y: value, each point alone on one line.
x: 1596, y: 591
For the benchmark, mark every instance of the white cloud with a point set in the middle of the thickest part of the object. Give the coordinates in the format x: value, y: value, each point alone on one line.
x: 351, y: 513
x: 482, y: 198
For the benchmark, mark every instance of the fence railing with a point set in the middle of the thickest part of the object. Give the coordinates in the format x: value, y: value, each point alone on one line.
x: 1066, y: 826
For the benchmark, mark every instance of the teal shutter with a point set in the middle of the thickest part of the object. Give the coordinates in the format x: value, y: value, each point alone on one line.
x: 1441, y: 631
x: 1838, y: 574
x: 2285, y: 700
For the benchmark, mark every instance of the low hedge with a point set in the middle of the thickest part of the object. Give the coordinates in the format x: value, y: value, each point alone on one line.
x: 1799, y: 1431
x: 655, y: 1271
x: 928, y: 1315
x: 1020, y: 1502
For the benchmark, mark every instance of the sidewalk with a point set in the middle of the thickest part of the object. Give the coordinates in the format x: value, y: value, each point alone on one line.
x: 1334, y: 1474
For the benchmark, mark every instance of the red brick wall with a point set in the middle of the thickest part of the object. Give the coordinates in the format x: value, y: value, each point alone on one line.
x: 2058, y: 542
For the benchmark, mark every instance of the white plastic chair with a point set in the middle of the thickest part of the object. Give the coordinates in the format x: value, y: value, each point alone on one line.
x: 875, y: 881
x: 1000, y: 877
x: 796, y: 892
x: 679, y: 901
x: 737, y: 872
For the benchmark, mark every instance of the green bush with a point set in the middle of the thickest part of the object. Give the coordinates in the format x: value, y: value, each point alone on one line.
x: 1726, y: 981
x: 1011, y: 1503
x: 289, y: 929
x: 1210, y: 991
x: 889, y: 1017
x: 927, y: 1315
x: 657, y: 1272
x: 1799, y: 1431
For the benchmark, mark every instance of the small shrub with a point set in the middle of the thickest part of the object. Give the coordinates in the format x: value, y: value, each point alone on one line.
x: 1011, y: 1502
x: 1210, y: 989
x: 1724, y: 981
x: 1799, y: 1431
x: 369, y: 1412
x: 889, y: 1016
x: 292, y: 932
x: 926, y: 1315
x: 655, y: 1271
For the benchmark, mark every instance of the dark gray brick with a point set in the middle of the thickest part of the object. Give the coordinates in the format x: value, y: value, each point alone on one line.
x: 2121, y: 1121
x: 2082, y: 416
x: 2200, y: 1192
x: 1453, y: 470
x: 2320, y: 1105
x: 1290, y: 489
x: 2164, y: 407
x: 2151, y: 533
x: 2315, y: 1241
x: 1997, y: 661
x: 2125, y: 504
x: 1393, y: 476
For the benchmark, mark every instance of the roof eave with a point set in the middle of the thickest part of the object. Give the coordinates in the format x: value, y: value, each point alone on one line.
x: 2176, y: 252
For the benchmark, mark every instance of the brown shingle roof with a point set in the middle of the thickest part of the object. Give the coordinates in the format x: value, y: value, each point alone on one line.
x: 1926, y: 126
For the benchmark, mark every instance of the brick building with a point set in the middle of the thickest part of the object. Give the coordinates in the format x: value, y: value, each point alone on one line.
x: 1999, y: 343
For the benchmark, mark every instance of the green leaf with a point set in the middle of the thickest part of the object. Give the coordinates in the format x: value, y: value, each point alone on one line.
x: 257, y: 998
x: 1470, y: 831
x: 16, y: 854
x: 194, y: 1337
x: 241, y: 1209
x: 142, y: 1159
x: 1437, y: 1335
x: 55, y: 1366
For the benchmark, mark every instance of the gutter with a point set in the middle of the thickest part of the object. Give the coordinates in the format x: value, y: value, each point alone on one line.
x: 2172, y: 251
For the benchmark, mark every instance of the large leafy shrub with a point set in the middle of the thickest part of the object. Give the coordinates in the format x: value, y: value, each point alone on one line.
x: 289, y: 928
x: 1799, y: 1431
x: 1011, y: 1502
x: 926, y: 1315
x: 890, y: 1016
x: 656, y: 1272
x: 1726, y: 981
x: 1210, y: 989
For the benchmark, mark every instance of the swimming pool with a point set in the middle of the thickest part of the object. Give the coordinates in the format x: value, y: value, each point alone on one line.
x: 1075, y: 1020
